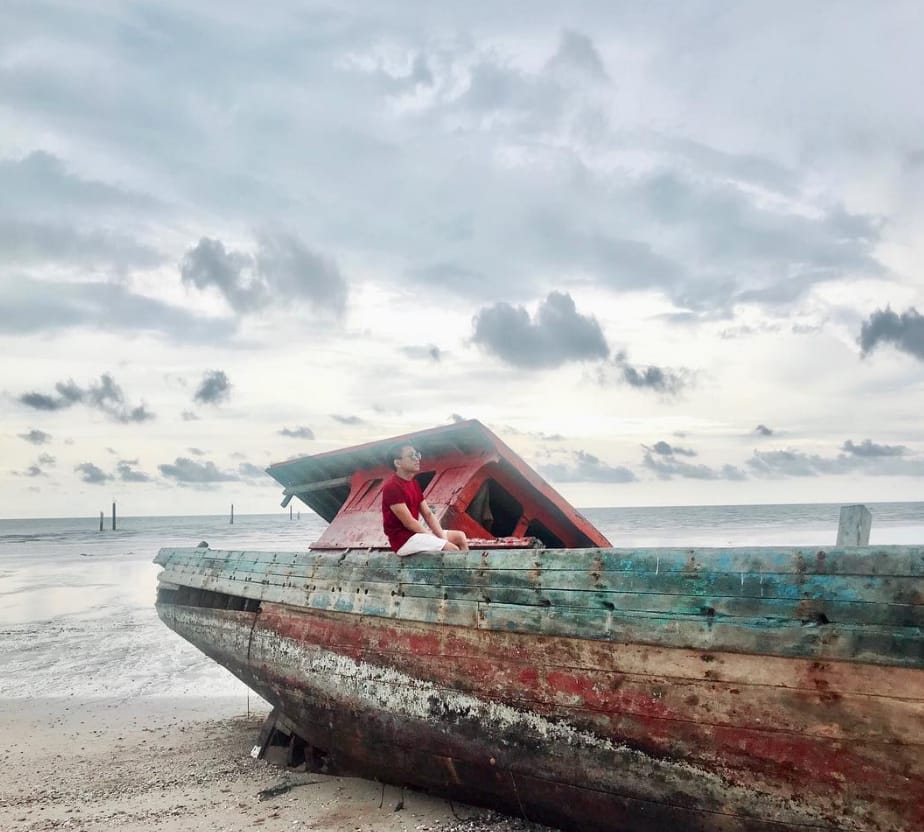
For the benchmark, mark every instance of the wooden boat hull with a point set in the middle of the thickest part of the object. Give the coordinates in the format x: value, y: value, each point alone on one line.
x: 590, y: 733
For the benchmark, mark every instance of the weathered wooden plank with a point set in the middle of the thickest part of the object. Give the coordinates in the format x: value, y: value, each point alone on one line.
x: 630, y: 660
x: 893, y: 590
x: 804, y: 610
x: 872, y: 560
x: 877, y: 644
x: 746, y: 584
x: 880, y: 645
x: 896, y: 561
x: 517, y: 679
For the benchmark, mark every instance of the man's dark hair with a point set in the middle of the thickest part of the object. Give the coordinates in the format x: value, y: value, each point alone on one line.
x: 395, y: 451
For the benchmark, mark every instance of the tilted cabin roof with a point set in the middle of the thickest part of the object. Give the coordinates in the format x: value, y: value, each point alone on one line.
x: 471, y: 480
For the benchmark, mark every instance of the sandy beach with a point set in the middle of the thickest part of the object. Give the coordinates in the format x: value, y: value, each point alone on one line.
x: 184, y: 764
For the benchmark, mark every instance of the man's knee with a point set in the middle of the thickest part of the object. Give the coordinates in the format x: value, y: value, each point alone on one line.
x: 449, y: 546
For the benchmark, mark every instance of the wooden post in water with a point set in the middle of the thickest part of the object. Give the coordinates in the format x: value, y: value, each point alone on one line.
x: 853, y: 528
x: 101, y: 521
x: 232, y: 514
x: 290, y: 511
x: 113, y: 516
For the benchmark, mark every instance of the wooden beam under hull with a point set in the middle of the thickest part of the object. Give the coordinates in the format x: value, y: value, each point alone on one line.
x: 549, y: 728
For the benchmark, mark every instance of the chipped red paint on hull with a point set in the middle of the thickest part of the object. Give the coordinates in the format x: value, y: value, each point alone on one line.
x: 578, y: 735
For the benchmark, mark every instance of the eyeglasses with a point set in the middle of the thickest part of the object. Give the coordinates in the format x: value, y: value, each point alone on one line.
x: 412, y: 455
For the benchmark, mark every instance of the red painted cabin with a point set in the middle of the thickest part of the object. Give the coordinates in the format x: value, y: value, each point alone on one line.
x: 470, y: 478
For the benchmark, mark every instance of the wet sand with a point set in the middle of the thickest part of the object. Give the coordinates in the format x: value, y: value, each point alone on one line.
x: 149, y: 763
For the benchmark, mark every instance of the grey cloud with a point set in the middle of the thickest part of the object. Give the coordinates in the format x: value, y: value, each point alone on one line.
x: 744, y: 168
x: 558, y: 334
x: 209, y: 264
x: 457, y: 418
x: 32, y: 306
x: 791, y: 463
x: 91, y: 474
x: 346, y: 420
x: 293, y: 270
x: 283, y: 269
x: 428, y: 352
x: 213, y: 389
x: 108, y: 397
x: 26, y: 243
x: 250, y: 471
x: 46, y: 459
x: 668, y: 467
x: 539, y: 101
x: 618, y: 262
x: 666, y: 449
x: 196, y: 451
x: 868, y: 448
x: 493, y: 86
x: 905, y: 331
x: 40, y: 184
x: 652, y: 377
x: 105, y: 396
x: 68, y: 395
x: 540, y: 435
x: 127, y: 472
x: 189, y: 416
x: 763, y: 430
x: 301, y: 432
x: 32, y: 471
x: 787, y: 291
x: 35, y: 436
x: 419, y: 74
x: 188, y: 472
x: 735, y: 231
x: 585, y: 467
x: 576, y: 52
x: 459, y: 279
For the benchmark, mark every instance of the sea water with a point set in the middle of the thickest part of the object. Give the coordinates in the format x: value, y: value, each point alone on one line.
x: 77, y: 612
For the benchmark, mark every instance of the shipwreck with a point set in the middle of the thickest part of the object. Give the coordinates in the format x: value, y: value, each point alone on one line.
x: 552, y: 676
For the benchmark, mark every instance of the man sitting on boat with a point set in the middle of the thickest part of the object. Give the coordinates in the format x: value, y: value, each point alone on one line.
x: 402, y: 506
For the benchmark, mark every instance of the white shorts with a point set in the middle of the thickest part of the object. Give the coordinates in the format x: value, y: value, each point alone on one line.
x: 419, y: 543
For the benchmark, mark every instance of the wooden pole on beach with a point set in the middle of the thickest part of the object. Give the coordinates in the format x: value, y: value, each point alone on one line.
x: 853, y: 528
x: 290, y: 511
x: 113, y: 516
x: 232, y: 514
x: 101, y: 521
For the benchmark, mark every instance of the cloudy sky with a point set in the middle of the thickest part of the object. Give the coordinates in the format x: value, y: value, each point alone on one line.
x: 671, y: 253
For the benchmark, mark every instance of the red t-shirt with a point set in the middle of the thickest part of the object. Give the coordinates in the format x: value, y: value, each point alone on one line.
x: 398, y: 490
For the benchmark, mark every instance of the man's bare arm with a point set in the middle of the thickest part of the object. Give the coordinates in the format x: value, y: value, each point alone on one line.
x: 434, y: 524
x: 403, y: 513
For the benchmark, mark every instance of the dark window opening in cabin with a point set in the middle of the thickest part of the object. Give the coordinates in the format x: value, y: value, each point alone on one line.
x: 495, y: 509
x: 424, y: 478
x: 189, y: 596
x: 538, y: 529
